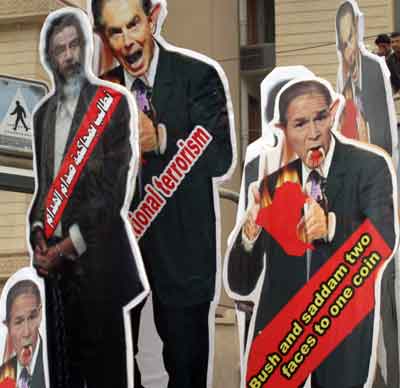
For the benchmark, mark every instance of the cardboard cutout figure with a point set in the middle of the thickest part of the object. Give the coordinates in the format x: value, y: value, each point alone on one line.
x: 187, y: 144
x: 263, y: 155
x: 23, y: 341
x: 369, y: 115
x: 318, y: 233
x: 363, y: 78
x: 85, y: 157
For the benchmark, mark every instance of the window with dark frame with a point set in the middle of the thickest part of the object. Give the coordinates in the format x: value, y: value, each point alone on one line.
x: 254, y: 111
x: 260, y: 21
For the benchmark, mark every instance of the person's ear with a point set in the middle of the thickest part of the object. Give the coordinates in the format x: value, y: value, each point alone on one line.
x: 334, y: 108
x: 153, y: 17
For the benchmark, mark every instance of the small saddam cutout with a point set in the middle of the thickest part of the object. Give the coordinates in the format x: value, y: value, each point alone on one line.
x: 319, y: 229
x: 188, y: 148
x: 81, y: 242
x: 23, y: 341
x: 363, y: 78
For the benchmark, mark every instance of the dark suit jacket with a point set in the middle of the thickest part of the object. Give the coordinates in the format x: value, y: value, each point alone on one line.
x: 393, y: 64
x: 109, y: 276
x: 179, y: 248
x: 359, y: 186
x: 9, y: 369
x: 374, y: 98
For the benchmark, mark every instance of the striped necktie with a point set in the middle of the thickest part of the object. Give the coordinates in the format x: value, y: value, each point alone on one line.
x: 24, y: 380
x: 143, y: 95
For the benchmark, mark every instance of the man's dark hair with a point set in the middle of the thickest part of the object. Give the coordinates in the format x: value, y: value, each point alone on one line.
x: 57, y: 25
x: 24, y: 287
x: 382, y: 39
x: 344, y: 9
x: 300, y: 89
x: 269, y: 108
x: 97, y: 8
x: 395, y: 34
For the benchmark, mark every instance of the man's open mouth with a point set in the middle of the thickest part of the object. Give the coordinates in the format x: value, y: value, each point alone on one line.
x: 135, y: 57
x: 315, y: 156
x: 26, y: 354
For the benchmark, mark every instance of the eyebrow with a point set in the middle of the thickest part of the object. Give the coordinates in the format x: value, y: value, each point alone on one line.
x: 319, y: 114
x: 300, y: 119
x: 34, y: 310
x: 322, y: 113
x: 116, y: 30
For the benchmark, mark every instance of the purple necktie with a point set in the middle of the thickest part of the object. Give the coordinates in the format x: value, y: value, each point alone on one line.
x: 318, y: 187
x: 315, y: 192
x: 24, y: 379
x: 143, y: 98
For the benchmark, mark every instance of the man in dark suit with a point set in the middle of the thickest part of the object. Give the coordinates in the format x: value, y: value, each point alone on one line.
x: 393, y: 62
x: 357, y: 186
x: 179, y: 248
x: 23, y: 318
x: 361, y: 82
x: 89, y: 257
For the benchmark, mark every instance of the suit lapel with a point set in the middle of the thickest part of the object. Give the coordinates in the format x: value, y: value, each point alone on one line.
x: 48, y: 139
x: 84, y: 100
x: 164, y: 79
x: 38, y: 372
x: 337, y: 172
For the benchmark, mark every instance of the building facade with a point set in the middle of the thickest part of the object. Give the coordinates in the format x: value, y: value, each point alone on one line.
x: 304, y: 35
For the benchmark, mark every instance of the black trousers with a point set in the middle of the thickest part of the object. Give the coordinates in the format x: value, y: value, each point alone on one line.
x: 185, y: 335
x: 314, y: 384
x: 86, y: 341
x: 135, y: 323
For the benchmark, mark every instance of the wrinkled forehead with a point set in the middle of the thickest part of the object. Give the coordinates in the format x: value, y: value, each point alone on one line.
x: 120, y: 11
x: 63, y: 36
x: 23, y: 305
x: 308, y: 104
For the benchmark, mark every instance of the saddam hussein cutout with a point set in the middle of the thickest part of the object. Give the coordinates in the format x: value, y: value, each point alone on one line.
x: 86, y: 259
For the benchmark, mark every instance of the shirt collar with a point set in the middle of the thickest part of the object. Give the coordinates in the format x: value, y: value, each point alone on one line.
x: 324, y: 169
x: 32, y: 365
x: 150, y: 77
